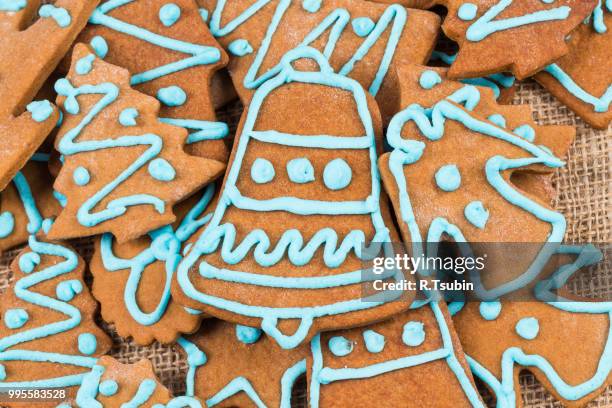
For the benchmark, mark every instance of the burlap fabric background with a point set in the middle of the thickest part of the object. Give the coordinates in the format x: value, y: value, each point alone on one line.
x: 583, y: 188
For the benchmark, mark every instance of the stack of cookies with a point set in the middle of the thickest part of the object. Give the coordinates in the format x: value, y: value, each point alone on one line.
x: 368, y: 130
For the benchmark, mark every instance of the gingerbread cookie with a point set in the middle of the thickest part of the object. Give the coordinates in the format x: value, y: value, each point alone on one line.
x: 107, y: 122
x: 48, y: 338
x: 142, y: 271
x: 462, y: 169
x: 283, y: 250
x: 26, y: 203
x: 166, y: 44
x: 58, y: 25
x: 582, y: 80
x: 243, y: 367
x: 412, y: 360
x: 361, y: 39
x: 564, y: 340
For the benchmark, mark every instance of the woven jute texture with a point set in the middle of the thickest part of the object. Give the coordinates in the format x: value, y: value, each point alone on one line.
x: 583, y: 188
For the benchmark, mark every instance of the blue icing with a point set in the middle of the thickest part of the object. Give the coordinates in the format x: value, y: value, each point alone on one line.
x: 99, y: 45
x: 528, y: 328
x: 108, y: 388
x: 46, y: 225
x: 448, y: 178
x: 59, y: 14
x: 498, y: 119
x: 7, y: 224
x: 490, y: 310
x: 240, y: 47
x: 2, y: 373
x: 374, y: 342
x: 128, y: 116
x: 247, y: 335
x: 85, y: 64
x: 15, y: 318
x: 311, y: 6
x: 262, y: 171
x: 81, y: 176
x: 476, y: 214
x: 363, y: 26
x: 28, y: 261
x: 195, y: 358
x: 12, y: 5
x: 203, y: 14
x: 337, y: 174
x: 340, y: 346
x: 169, y: 14
x: 300, y: 170
x: 467, y: 11
x: 413, y: 334
x: 600, y: 104
x: 87, y: 343
x: 172, y: 96
x: 526, y: 132
x: 60, y: 198
x: 161, y: 170
x: 40, y: 110
x: 429, y: 79
x: 67, y: 290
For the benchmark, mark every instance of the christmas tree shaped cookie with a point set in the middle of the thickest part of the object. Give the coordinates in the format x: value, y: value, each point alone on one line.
x: 166, y: 44
x: 583, y: 78
x: 299, y: 211
x: 25, y: 65
x: 107, y: 122
x: 141, y: 272
x: 362, y: 40
x: 47, y: 335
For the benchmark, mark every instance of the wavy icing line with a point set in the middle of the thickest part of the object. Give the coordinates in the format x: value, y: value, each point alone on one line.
x: 336, y: 22
x: 369, y: 207
x: 198, y: 55
x: 166, y: 247
x: 431, y: 125
x: 23, y: 292
x: 322, y: 375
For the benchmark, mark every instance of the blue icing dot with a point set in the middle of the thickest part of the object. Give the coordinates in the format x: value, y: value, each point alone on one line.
x: 87, y: 343
x: 490, y: 310
x: 85, y: 64
x: 362, y: 26
x: 374, y: 342
x: 15, y: 318
x: 312, y: 6
x: 99, y: 45
x: 81, y: 176
x: 172, y: 96
x: 128, y: 116
x: 40, y: 110
x: 429, y: 79
x: 247, y: 335
x: 12, y: 5
x: 300, y: 170
x: 476, y: 214
x: 169, y: 14
x: 526, y: 132
x: 7, y: 224
x: 340, y: 346
x: 448, y: 178
x: 59, y: 14
x: 2, y: 373
x: 528, y: 328
x: 414, y: 334
x: 240, y: 47
x: 66, y: 290
x: 28, y: 261
x: 108, y: 388
x: 498, y: 119
x: 337, y: 174
x: 204, y: 14
x: 161, y: 170
x: 262, y: 171
x: 467, y: 11
x: 46, y: 225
